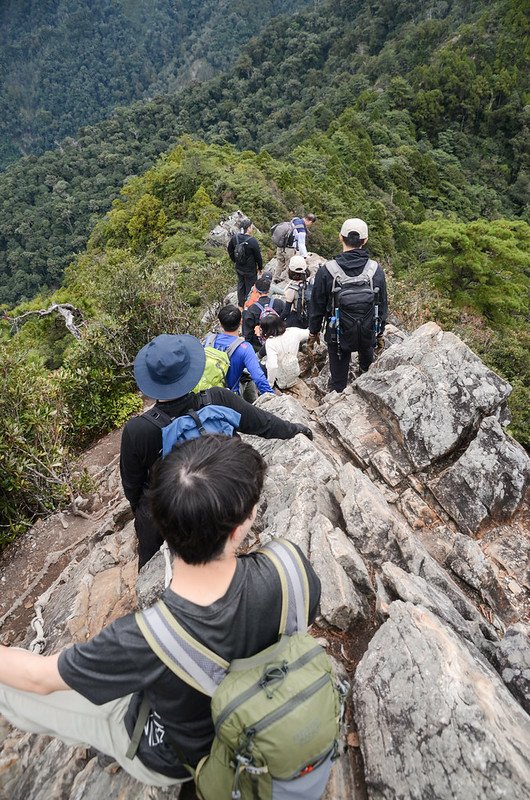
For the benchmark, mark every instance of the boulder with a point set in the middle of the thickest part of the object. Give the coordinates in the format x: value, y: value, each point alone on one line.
x: 435, y: 720
x: 340, y: 605
x: 222, y: 233
x: 512, y: 659
x: 433, y: 390
x: 487, y: 482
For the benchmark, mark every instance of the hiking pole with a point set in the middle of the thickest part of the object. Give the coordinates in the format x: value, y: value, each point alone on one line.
x: 337, y: 323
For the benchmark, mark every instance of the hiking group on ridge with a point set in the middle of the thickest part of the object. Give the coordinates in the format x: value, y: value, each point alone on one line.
x: 203, y: 687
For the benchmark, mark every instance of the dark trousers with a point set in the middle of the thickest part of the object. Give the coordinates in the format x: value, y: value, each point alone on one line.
x: 244, y: 285
x: 149, y: 537
x: 339, y: 367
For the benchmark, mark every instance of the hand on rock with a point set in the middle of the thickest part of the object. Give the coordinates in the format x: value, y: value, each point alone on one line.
x: 305, y: 430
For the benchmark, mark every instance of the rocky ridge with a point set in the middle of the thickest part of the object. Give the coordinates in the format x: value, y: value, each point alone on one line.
x: 410, y: 503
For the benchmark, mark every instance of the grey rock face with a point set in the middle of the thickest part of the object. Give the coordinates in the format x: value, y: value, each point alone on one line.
x: 435, y: 720
x: 380, y: 535
x: 512, y: 659
x: 433, y: 390
x: 487, y: 482
x: 416, y: 590
x: 150, y: 581
x: 222, y: 233
x: 340, y: 605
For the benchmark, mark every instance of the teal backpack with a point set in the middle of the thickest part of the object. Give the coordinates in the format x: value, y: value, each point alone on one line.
x: 276, y: 715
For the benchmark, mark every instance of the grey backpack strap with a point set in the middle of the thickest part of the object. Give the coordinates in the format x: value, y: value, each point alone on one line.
x: 370, y: 268
x: 336, y: 272
x: 233, y: 347
x: 295, y: 586
x: 209, y: 341
x: 190, y: 660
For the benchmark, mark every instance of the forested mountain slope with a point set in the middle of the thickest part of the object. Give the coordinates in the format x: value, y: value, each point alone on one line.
x: 67, y: 63
x: 445, y: 80
x: 151, y: 266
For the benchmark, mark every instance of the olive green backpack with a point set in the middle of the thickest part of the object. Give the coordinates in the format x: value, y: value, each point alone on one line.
x: 276, y: 714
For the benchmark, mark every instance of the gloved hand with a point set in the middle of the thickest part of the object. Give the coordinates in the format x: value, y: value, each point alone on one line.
x: 304, y: 429
x: 314, y: 338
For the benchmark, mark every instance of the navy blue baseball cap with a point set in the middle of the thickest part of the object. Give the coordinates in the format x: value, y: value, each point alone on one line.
x: 169, y: 366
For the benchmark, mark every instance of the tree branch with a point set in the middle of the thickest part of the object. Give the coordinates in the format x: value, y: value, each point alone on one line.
x: 66, y: 310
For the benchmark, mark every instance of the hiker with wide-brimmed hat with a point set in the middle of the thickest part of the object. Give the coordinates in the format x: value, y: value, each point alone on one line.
x: 167, y: 369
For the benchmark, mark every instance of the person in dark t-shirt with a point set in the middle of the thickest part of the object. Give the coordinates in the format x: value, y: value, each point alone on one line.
x: 204, y: 496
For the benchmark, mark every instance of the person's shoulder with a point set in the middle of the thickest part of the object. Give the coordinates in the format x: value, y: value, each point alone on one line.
x: 137, y: 423
x: 221, y: 396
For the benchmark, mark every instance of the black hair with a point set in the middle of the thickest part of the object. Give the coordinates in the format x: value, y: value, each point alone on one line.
x: 230, y: 317
x: 299, y: 276
x: 245, y: 224
x: 201, y: 492
x: 353, y: 239
x: 310, y: 217
x: 272, y: 325
x: 263, y: 284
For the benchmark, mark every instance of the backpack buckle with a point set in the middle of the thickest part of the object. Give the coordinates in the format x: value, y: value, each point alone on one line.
x: 273, y: 674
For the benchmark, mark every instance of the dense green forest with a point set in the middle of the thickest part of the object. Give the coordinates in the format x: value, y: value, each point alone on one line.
x: 422, y: 134
x: 67, y: 63
x: 452, y: 73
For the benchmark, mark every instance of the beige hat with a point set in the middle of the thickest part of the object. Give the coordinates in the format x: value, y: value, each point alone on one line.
x: 355, y: 226
x: 297, y: 264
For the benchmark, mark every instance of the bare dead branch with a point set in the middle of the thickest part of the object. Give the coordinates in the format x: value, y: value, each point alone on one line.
x: 66, y: 310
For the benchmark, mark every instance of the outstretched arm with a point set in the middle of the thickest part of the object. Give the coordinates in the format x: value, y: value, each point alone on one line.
x: 30, y: 672
x: 256, y: 373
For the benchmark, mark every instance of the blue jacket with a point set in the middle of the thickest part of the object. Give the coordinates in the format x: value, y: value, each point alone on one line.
x: 243, y: 357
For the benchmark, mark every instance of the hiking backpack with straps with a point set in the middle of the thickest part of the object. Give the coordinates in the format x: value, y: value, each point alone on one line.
x: 240, y: 251
x: 304, y: 291
x: 217, y: 363
x: 282, y: 234
x: 266, y: 309
x: 276, y: 715
x: 354, y: 306
x: 208, y: 418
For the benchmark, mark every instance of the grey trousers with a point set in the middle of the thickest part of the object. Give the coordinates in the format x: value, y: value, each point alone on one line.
x: 76, y: 721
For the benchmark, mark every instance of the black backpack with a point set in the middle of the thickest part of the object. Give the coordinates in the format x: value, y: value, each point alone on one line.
x: 354, y: 309
x: 240, y: 251
x: 303, y: 302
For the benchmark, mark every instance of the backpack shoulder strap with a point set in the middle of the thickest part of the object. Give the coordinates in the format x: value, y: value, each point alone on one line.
x: 370, y: 268
x: 209, y: 340
x: 295, y: 586
x: 335, y: 271
x: 157, y: 417
x: 233, y: 347
x: 190, y: 660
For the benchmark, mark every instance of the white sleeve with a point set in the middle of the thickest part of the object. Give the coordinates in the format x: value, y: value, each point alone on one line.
x: 272, y: 362
x: 304, y: 334
x: 301, y: 243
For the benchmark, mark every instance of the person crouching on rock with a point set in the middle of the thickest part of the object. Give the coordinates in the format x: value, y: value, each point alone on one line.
x: 281, y: 349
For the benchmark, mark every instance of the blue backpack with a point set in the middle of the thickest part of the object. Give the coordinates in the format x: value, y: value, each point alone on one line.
x: 207, y: 419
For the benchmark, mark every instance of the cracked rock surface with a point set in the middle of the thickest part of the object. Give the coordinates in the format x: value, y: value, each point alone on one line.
x: 410, y: 504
